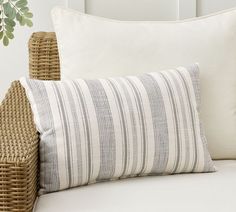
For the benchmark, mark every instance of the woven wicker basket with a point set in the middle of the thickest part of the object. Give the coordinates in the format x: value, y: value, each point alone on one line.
x: 18, y: 135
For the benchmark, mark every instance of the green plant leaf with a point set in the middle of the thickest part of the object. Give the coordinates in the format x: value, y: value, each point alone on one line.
x: 18, y: 17
x: 9, y: 28
x: 10, y: 22
x: 12, y: 11
x: 28, y: 22
x: 22, y: 21
x: 24, y: 9
x: 9, y: 11
x: 9, y: 35
x: 7, y: 8
x: 21, y: 3
x: 5, y: 41
x: 28, y: 15
x: 13, y: 14
x: 1, y: 35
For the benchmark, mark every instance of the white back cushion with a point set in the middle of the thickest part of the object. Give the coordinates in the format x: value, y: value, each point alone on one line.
x: 91, y: 47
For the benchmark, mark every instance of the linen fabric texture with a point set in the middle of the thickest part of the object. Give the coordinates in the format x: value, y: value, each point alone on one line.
x: 106, y: 129
x: 91, y: 47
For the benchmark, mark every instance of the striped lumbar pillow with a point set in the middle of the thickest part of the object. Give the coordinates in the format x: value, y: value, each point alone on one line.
x: 95, y: 130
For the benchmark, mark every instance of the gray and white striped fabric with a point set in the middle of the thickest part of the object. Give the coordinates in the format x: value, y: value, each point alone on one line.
x: 105, y: 129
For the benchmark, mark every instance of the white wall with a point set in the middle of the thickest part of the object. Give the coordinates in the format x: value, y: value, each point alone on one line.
x: 134, y: 9
x: 14, y: 58
x: 205, y: 7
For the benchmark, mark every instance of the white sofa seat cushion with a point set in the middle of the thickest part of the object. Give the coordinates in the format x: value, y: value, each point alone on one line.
x: 179, y: 193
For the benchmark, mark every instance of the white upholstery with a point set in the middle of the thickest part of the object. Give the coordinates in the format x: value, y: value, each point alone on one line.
x: 93, y: 47
x: 179, y: 193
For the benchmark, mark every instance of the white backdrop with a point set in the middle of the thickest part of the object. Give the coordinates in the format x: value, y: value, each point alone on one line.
x: 14, y: 58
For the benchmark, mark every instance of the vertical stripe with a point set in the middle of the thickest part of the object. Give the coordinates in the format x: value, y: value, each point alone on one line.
x: 92, y: 128
x: 49, y: 178
x: 159, y: 123
x: 186, y: 129
x: 66, y: 128
x: 199, y: 148
x: 118, y: 129
x: 195, y: 76
x: 170, y: 123
x: 87, y: 129
x: 59, y: 133
x: 142, y: 128
x: 132, y: 111
x: 123, y: 123
x: 175, y: 120
x: 106, y: 129
x: 192, y: 118
x: 75, y: 135
x: 182, y: 115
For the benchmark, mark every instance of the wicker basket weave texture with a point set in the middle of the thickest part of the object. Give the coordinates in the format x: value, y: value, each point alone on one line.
x: 18, y: 152
x: 18, y: 136
x: 43, y: 56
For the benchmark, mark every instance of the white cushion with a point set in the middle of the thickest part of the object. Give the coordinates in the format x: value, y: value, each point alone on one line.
x: 92, y: 47
x: 179, y: 193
